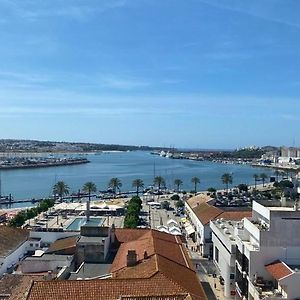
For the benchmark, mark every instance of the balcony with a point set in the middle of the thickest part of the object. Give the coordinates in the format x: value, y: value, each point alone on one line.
x: 264, y: 290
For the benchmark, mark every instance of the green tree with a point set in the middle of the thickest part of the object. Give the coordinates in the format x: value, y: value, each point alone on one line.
x: 178, y: 183
x: 130, y: 221
x: 226, y: 179
x: 165, y: 205
x: 242, y: 187
x: 61, y: 189
x: 263, y: 177
x: 115, y: 184
x: 159, y: 181
x: 179, y: 204
x: 137, y: 200
x: 138, y: 184
x: 18, y: 220
x: 175, y: 197
x: 89, y: 187
x: 195, y: 181
x: 211, y: 190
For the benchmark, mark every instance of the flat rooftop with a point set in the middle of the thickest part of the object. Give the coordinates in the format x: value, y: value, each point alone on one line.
x: 87, y: 270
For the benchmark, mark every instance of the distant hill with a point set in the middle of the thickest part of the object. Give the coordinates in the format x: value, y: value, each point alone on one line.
x: 14, y: 145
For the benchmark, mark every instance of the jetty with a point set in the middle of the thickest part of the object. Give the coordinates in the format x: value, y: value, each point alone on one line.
x: 25, y: 164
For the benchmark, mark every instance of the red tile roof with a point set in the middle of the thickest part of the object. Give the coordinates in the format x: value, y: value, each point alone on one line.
x: 206, y: 212
x: 65, y: 246
x: 11, y: 238
x: 235, y: 215
x: 165, y: 272
x: 108, y: 289
x: 278, y: 269
x: 16, y: 287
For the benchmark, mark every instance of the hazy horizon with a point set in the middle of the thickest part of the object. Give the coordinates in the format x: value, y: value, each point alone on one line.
x: 197, y: 74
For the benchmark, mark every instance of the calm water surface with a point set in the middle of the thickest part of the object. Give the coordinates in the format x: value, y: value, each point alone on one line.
x: 127, y: 166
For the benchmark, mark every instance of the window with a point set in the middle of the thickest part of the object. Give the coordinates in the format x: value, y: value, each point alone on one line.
x: 216, y: 254
x: 31, y: 244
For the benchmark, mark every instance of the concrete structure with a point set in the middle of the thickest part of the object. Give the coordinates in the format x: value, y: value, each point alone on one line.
x: 272, y: 233
x: 224, y: 249
x: 45, y: 263
x: 201, y: 214
x: 94, y: 244
x: 264, y: 250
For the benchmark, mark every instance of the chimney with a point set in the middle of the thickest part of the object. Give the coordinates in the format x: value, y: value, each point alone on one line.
x: 145, y: 254
x: 131, y: 258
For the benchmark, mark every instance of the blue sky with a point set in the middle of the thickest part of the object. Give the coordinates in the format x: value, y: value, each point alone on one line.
x: 186, y: 73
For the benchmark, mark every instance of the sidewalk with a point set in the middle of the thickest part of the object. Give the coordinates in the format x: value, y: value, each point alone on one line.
x: 205, y: 269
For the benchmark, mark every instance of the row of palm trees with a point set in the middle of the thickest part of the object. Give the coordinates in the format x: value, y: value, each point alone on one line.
x: 61, y: 189
x: 260, y: 177
x: 227, y: 179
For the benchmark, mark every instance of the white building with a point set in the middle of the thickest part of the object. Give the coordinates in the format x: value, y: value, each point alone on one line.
x: 266, y: 255
x: 200, y: 215
x: 224, y: 246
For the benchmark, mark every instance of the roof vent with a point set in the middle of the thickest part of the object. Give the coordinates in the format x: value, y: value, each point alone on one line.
x: 145, y: 254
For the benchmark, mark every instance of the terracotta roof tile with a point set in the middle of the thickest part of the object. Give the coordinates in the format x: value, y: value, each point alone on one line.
x: 65, y: 246
x: 108, y: 289
x: 165, y: 272
x: 16, y: 287
x: 278, y: 269
x: 126, y: 235
x: 11, y: 238
x: 206, y: 212
x: 235, y: 215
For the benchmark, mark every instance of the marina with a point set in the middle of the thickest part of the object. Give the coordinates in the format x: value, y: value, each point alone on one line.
x: 38, y: 183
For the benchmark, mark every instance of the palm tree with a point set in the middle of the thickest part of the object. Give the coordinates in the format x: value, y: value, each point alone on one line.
x: 195, y: 181
x: 178, y: 183
x: 137, y: 183
x: 115, y: 184
x: 159, y: 181
x: 256, y: 178
x: 61, y: 189
x: 227, y: 179
x: 89, y: 187
x: 263, y: 177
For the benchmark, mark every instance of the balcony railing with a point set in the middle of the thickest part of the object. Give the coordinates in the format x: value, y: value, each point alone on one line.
x: 264, y: 290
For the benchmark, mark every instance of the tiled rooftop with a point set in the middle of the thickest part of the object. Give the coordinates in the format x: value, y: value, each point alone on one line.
x: 165, y: 272
x: 11, y: 238
x: 206, y: 212
x: 16, y: 287
x: 108, y: 289
x: 64, y: 246
x: 278, y: 269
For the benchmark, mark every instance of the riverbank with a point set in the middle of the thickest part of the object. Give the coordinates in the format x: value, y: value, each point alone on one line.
x: 278, y: 167
x: 44, y: 164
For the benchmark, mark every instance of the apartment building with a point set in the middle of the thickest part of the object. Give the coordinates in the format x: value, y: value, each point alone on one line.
x: 264, y: 252
x: 200, y: 215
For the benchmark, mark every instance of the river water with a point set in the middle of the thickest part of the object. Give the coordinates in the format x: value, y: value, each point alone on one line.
x: 127, y: 166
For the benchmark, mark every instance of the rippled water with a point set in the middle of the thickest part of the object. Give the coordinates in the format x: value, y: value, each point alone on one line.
x: 127, y: 166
